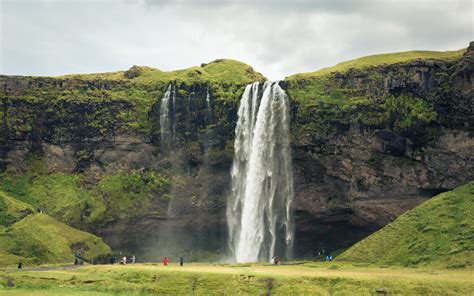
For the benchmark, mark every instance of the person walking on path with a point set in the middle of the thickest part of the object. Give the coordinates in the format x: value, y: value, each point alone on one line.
x: 181, y: 261
x: 165, y: 261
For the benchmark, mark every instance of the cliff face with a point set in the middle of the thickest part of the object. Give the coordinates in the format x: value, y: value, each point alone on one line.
x: 368, y: 144
x: 365, y: 163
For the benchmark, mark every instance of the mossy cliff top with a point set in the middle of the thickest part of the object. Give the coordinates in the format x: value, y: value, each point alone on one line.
x: 382, y: 60
x: 439, y: 232
x: 222, y: 71
x: 396, y: 91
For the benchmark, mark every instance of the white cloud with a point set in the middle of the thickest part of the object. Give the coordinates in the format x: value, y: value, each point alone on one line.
x: 277, y: 38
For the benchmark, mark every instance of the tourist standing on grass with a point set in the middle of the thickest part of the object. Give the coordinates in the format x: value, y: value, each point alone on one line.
x: 20, y: 264
x: 277, y: 260
x: 181, y: 261
x: 165, y: 261
x: 133, y: 259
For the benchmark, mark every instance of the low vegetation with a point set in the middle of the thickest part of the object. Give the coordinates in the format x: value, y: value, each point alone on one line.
x: 39, y: 239
x: 383, y: 59
x: 305, y: 279
x: 68, y: 198
x: 356, y: 92
x: 439, y: 232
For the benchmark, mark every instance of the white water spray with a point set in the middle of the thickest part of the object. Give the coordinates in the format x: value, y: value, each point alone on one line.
x: 167, y: 122
x: 258, y: 213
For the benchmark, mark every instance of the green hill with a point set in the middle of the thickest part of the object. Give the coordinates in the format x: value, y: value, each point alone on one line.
x: 439, y: 232
x: 39, y: 239
x: 383, y: 59
x: 12, y: 210
x: 219, y: 71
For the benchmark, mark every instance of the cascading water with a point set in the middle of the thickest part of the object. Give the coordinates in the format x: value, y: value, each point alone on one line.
x: 258, y: 212
x: 167, y: 122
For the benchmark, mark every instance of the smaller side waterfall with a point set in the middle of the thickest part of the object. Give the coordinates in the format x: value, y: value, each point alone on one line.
x: 258, y: 212
x: 167, y: 122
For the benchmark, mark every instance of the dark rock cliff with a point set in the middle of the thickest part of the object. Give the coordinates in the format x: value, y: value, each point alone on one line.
x: 353, y: 175
x: 360, y: 175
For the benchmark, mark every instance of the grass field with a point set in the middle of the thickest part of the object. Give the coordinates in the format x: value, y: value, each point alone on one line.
x: 310, y: 278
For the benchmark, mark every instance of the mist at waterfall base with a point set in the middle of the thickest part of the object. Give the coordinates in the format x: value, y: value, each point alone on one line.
x: 259, y: 218
x: 257, y: 222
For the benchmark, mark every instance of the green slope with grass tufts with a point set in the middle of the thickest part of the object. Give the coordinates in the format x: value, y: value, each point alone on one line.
x: 219, y: 71
x: 384, y: 59
x: 12, y: 210
x: 39, y: 239
x: 439, y: 232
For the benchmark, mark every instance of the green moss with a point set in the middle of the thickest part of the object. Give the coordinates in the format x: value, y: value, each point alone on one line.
x: 219, y: 71
x: 57, y: 194
x: 12, y: 210
x: 383, y: 59
x: 325, y: 102
x: 439, y: 232
x: 40, y: 238
x: 63, y: 196
x: 129, y: 194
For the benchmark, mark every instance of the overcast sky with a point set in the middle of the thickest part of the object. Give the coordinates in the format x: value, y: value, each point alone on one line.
x: 278, y: 38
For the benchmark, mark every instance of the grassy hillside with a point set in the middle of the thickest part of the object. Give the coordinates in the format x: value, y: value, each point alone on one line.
x: 39, y: 238
x: 12, y: 210
x: 219, y: 71
x: 383, y: 59
x: 439, y: 232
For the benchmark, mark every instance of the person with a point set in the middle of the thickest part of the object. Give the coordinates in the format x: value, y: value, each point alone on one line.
x: 273, y: 260
x: 20, y: 264
x: 181, y: 261
x: 277, y: 260
x: 330, y: 257
x: 124, y: 260
x: 165, y: 261
x: 133, y: 259
x: 77, y: 258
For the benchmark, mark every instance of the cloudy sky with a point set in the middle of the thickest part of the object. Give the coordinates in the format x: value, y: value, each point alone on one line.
x: 278, y: 38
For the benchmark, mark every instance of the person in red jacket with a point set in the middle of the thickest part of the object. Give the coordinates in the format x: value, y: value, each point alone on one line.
x: 165, y: 261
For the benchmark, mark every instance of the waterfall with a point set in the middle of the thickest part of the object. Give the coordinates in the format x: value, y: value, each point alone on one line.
x: 208, y: 99
x: 167, y: 122
x: 259, y: 218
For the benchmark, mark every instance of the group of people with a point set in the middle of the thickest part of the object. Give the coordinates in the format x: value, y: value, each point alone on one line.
x: 124, y: 260
x: 166, y: 261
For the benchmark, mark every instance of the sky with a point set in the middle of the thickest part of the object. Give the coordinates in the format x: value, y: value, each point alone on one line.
x: 277, y: 38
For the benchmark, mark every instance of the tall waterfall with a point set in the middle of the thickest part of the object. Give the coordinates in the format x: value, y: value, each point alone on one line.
x: 259, y: 218
x: 167, y: 122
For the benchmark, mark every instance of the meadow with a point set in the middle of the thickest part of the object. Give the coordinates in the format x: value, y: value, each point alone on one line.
x: 297, y: 278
